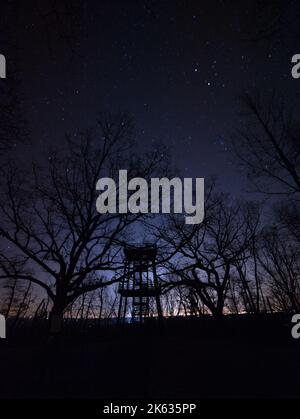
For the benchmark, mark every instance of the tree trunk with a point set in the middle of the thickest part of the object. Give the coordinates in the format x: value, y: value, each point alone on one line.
x: 56, y: 319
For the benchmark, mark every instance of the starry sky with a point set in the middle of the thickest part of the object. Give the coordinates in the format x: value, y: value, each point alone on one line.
x: 178, y: 67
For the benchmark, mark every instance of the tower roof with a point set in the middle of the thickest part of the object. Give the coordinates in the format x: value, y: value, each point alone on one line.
x: 135, y: 252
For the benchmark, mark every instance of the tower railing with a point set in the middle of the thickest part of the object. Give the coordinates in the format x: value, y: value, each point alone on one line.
x: 139, y: 290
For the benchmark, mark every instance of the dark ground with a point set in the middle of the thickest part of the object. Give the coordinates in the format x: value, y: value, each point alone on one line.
x: 245, y: 356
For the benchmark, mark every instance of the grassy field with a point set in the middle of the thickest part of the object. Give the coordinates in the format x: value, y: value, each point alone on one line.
x: 236, y: 357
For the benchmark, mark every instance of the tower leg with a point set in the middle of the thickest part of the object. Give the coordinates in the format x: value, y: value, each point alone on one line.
x: 157, y: 298
x: 120, y: 309
x: 125, y: 309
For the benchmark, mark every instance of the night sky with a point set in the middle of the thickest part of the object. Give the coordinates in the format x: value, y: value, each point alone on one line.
x: 178, y: 67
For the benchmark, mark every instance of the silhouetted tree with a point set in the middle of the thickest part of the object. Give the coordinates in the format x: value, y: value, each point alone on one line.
x: 206, y: 255
x: 281, y: 262
x: 49, y: 218
x: 268, y: 146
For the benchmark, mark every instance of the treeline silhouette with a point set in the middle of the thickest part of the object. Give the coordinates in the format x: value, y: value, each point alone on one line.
x: 60, y: 258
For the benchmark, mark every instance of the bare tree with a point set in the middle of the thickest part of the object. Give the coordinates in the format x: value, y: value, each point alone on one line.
x: 280, y: 260
x: 49, y: 218
x: 268, y: 146
x: 206, y: 255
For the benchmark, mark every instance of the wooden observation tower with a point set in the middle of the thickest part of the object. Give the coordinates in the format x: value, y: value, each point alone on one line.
x: 139, y: 290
